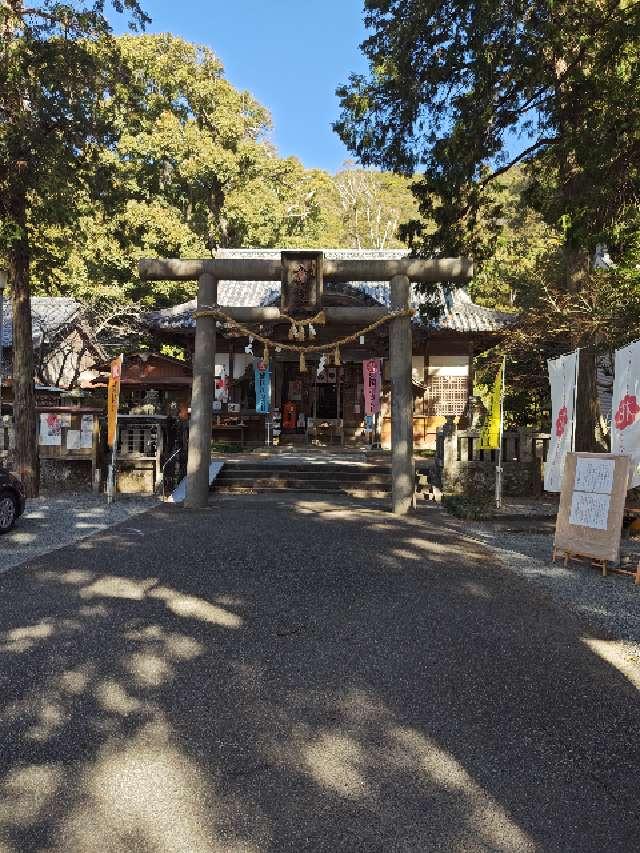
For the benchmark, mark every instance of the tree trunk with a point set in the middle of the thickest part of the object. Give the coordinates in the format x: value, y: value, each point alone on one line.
x: 577, y: 268
x: 587, y: 405
x: 24, y: 402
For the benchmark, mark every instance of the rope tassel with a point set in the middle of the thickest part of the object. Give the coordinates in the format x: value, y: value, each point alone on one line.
x: 303, y: 363
x: 265, y: 356
x: 337, y: 357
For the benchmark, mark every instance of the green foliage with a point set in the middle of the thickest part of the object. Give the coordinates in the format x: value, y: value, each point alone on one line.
x: 471, y: 509
x: 184, y: 166
x: 226, y: 447
x: 451, y: 84
x: 523, y: 118
x: 57, y: 61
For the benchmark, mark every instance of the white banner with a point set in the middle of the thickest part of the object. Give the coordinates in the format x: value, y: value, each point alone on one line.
x: 625, y: 411
x: 562, y: 376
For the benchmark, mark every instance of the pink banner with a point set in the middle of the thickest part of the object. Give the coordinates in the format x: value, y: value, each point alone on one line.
x: 371, y: 371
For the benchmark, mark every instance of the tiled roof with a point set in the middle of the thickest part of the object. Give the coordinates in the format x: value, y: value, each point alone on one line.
x: 459, y: 313
x: 48, y: 313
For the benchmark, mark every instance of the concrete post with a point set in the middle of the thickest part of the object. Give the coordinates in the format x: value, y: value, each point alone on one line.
x: 402, y: 467
x: 202, y: 392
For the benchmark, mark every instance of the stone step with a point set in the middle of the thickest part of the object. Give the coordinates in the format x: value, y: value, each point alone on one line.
x: 302, y: 488
x: 316, y: 476
x: 252, y: 477
x: 298, y: 482
x: 310, y: 469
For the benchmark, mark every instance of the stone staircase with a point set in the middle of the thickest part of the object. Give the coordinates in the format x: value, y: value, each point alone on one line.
x: 362, y: 480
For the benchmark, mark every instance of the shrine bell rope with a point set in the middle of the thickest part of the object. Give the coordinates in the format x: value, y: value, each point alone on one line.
x: 297, y: 331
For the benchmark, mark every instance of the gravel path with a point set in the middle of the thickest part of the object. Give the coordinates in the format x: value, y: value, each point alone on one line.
x: 52, y: 522
x: 612, y: 603
x: 302, y: 675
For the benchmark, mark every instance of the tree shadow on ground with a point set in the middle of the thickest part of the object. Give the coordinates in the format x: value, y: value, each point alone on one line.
x: 289, y: 676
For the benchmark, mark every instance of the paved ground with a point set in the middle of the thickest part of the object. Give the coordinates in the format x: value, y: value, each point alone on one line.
x: 612, y: 604
x: 291, y: 675
x: 53, y: 521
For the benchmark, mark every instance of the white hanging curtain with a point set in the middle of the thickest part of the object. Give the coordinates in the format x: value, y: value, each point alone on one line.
x: 563, y: 379
x: 625, y: 411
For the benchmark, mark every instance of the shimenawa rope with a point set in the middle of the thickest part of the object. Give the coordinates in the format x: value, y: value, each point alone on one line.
x: 319, y: 319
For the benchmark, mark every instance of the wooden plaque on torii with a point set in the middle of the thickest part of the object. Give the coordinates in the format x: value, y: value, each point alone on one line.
x: 302, y: 282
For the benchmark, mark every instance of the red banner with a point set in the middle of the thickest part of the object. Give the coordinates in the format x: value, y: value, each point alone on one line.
x: 371, y: 372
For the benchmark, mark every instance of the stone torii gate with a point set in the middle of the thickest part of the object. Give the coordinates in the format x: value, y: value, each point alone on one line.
x: 399, y: 273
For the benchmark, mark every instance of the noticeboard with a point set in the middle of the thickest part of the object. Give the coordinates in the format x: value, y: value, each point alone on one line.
x: 594, y: 490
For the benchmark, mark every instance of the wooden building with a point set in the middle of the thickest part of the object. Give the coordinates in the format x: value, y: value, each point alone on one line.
x: 146, y: 375
x: 332, y: 403
x: 63, y: 344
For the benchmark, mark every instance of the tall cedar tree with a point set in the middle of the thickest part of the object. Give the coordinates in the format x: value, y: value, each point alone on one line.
x: 56, y: 64
x: 457, y: 86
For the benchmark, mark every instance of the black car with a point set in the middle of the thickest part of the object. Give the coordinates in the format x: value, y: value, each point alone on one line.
x: 11, y: 500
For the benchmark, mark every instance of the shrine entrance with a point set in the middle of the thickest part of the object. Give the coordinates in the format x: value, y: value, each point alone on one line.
x: 303, y: 305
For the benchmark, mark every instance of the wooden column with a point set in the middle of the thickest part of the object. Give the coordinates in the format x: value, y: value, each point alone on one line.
x: 204, y: 366
x: 402, y: 468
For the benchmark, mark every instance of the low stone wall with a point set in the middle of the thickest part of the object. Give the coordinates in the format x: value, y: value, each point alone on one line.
x: 478, y: 479
x: 462, y: 468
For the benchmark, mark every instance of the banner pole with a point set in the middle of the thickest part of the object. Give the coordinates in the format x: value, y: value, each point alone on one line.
x: 499, y: 469
x: 116, y: 405
x: 575, y: 402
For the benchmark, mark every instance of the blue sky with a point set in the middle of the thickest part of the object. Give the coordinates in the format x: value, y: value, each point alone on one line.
x: 290, y: 54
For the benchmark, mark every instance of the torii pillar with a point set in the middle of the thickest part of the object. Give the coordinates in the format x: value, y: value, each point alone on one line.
x: 400, y: 350
x: 202, y: 395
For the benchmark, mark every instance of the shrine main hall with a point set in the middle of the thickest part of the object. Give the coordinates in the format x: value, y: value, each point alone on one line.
x: 443, y: 351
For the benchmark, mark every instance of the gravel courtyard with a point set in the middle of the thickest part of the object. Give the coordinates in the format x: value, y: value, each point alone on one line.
x: 282, y: 674
x: 51, y: 522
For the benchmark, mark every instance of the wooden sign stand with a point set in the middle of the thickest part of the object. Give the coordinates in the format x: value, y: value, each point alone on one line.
x: 589, y: 521
x: 568, y: 556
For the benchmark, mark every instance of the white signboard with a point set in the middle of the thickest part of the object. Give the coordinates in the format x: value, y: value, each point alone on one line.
x: 590, y: 510
x: 50, y: 430
x: 562, y: 377
x: 594, y: 475
x: 73, y: 439
x: 86, y: 432
x: 625, y: 414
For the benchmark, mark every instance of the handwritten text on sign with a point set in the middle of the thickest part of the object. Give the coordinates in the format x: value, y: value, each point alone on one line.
x: 594, y: 475
x: 590, y: 510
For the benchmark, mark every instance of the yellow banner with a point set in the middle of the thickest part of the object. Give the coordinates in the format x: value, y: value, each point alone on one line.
x: 490, y: 432
x: 113, y: 399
